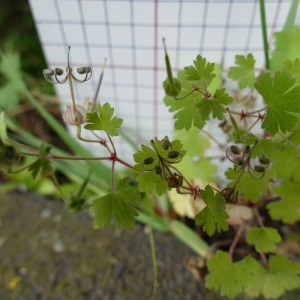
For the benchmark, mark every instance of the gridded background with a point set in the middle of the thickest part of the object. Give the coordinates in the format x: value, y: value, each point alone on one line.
x: 129, y: 34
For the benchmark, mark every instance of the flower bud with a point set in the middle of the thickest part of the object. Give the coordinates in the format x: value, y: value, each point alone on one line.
x: 74, y: 116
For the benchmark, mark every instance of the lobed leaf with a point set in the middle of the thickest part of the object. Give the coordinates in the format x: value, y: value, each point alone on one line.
x: 244, y: 72
x: 287, y: 209
x: 117, y: 204
x: 151, y: 182
x: 282, y: 101
x: 201, y: 70
x: 213, y: 217
x: 264, y: 238
x: 104, y: 120
x: 215, y: 105
x: 228, y: 277
x: 43, y: 163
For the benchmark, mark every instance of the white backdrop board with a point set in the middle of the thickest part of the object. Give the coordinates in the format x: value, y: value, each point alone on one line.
x: 129, y: 34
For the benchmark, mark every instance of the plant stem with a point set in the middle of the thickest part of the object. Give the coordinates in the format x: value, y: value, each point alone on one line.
x: 264, y: 32
x: 189, y: 93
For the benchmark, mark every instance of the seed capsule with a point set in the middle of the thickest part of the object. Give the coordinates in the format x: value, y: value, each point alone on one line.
x: 247, y: 150
x: 173, y: 154
x: 158, y: 169
x: 148, y: 160
x: 48, y: 72
x: 59, y: 71
x: 259, y: 169
x: 235, y: 150
x: 240, y: 162
x: 264, y: 160
x: 166, y: 145
x: 84, y: 70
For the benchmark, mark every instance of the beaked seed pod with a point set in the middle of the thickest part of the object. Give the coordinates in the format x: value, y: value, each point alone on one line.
x: 74, y: 116
x: 148, y: 160
x: 235, y: 150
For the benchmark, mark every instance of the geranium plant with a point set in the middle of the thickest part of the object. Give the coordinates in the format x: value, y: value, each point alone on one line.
x: 258, y: 142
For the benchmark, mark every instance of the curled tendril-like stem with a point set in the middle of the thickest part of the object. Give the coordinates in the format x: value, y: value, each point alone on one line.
x: 242, y: 161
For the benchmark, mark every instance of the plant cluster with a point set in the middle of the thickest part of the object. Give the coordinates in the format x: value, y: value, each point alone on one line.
x: 261, y: 125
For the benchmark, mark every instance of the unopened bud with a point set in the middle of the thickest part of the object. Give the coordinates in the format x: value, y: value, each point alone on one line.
x: 75, y: 116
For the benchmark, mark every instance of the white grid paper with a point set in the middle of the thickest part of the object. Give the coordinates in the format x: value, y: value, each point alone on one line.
x: 129, y: 34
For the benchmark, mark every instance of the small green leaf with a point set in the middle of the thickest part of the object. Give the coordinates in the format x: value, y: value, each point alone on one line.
x: 282, y: 101
x: 102, y: 207
x: 43, y: 163
x: 288, y: 208
x: 244, y: 73
x: 281, y: 276
x: 264, y: 239
x: 201, y: 70
x: 117, y: 204
x: 104, y: 120
x: 186, y: 114
x: 151, y: 182
x: 215, y: 105
x: 286, y: 47
x: 228, y: 277
x: 293, y: 67
x: 78, y: 201
x: 213, y: 217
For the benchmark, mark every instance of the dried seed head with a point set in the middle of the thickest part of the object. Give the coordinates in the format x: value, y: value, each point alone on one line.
x: 148, y: 160
x: 75, y: 116
x: 235, y: 150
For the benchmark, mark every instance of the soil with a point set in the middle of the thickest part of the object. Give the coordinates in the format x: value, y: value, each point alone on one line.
x: 46, y: 252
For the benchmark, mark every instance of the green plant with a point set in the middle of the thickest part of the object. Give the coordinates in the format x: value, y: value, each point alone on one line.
x: 258, y: 137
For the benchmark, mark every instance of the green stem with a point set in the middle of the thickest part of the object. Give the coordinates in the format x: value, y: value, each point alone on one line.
x: 189, y: 93
x: 264, y: 32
